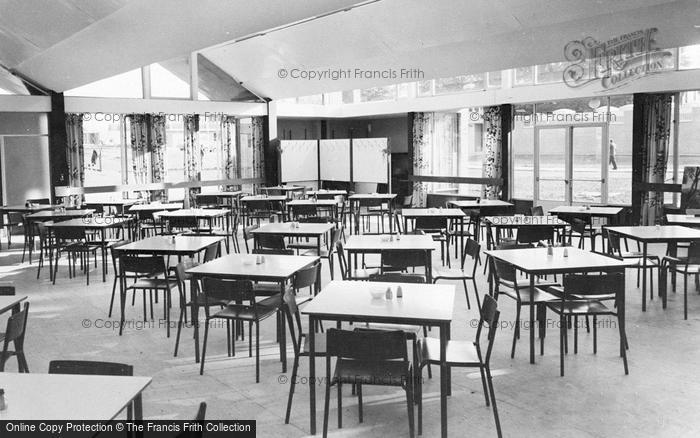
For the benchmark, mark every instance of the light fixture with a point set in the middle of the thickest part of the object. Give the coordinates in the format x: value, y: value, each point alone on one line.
x: 594, y: 103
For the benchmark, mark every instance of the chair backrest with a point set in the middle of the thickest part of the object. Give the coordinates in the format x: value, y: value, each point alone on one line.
x: 613, y: 242
x: 489, y: 317
x: 271, y: 241
x: 69, y: 233
x: 343, y: 263
x: 211, y: 252
x: 16, y: 326
x: 92, y: 368
x: 269, y: 251
x: 218, y: 289
x: 407, y: 201
x: 372, y: 346
x: 114, y: 251
x: 584, y: 285
x: 293, y: 320
x: 257, y: 205
x: 140, y: 264
x: 371, y: 202
x: 207, y: 200
x: 181, y: 222
x: 431, y: 223
x: 395, y: 277
x: 304, y: 210
x: 578, y: 225
x: 535, y: 233
x: 537, y: 211
x: 504, y: 271
x: 316, y: 219
x: 307, y: 277
x: 7, y: 289
x: 694, y: 253
x: 472, y: 249
x: 402, y: 259
x: 40, y: 201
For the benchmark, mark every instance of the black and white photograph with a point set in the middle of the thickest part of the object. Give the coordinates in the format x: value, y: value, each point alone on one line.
x: 348, y: 218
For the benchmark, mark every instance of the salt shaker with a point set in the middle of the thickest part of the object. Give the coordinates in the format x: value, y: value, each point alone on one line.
x: 389, y: 295
x: 399, y: 292
x: 3, y: 403
x: 550, y: 250
x: 566, y: 252
x: 173, y: 239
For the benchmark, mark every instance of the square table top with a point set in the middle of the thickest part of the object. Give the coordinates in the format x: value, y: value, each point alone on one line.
x: 309, y: 202
x: 35, y: 396
x: 664, y: 233
x: 286, y: 229
x: 432, y: 212
x: 7, y: 302
x: 284, y: 188
x: 24, y: 209
x: 519, y: 221
x: 233, y: 194
x: 164, y: 244
x: 357, y: 196
x: 93, y: 222
x: 114, y: 202
x: 581, y: 210
x: 326, y: 192
x: 156, y: 207
x: 380, y: 242
x: 352, y: 300
x: 689, y: 220
x: 53, y: 214
x: 468, y: 203
x: 536, y: 260
x: 264, y: 198
x: 196, y: 213
x: 244, y: 267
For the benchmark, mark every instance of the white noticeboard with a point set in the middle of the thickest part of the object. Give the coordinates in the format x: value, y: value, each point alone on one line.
x: 370, y: 160
x: 299, y: 160
x: 335, y: 160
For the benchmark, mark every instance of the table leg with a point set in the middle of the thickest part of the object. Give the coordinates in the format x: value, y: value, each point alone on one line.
x: 444, y: 388
x: 391, y: 216
x: 429, y: 266
x: 644, y: 277
x: 461, y: 239
x: 138, y: 407
x: 532, y: 320
x: 312, y: 375
x: 283, y: 331
x: 103, y: 234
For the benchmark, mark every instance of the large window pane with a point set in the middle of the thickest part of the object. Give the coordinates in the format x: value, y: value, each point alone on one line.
x: 123, y: 85
x: 523, y: 152
x: 376, y: 94
x: 212, y: 159
x: 524, y: 76
x: 175, y: 155
x: 620, y: 132
x: 460, y: 84
x: 103, y: 144
x: 551, y: 73
x: 171, y: 78
x: 689, y: 57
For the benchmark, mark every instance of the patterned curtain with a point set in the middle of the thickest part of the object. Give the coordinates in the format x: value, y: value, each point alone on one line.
x: 193, y: 156
x: 75, y: 150
x: 657, y: 121
x: 420, y: 156
x: 492, y: 150
x: 147, y: 132
x: 230, y: 168
x: 258, y: 147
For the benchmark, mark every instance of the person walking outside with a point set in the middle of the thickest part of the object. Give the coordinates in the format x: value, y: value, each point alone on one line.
x: 613, y: 151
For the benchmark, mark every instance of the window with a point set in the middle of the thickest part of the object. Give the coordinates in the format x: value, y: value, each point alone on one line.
x: 376, y: 94
x: 171, y: 78
x: 522, y: 152
x: 460, y: 84
x: 524, y: 76
x: 620, y: 131
x: 210, y: 139
x: 123, y: 85
x: 314, y: 99
x: 551, y: 73
x: 689, y: 57
x: 215, y: 84
x: 175, y: 154
x: 494, y: 79
x: 103, y: 142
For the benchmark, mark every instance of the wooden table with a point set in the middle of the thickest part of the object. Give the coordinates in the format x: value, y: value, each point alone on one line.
x: 311, y: 230
x: 443, y: 213
x: 535, y: 261
x: 691, y: 221
x: 276, y: 268
x: 57, y: 215
x: 318, y: 204
x: 70, y: 397
x: 376, y: 243
x: 668, y: 234
x: 421, y: 305
x: 356, y: 203
x: 207, y: 214
x: 10, y: 302
x: 101, y: 224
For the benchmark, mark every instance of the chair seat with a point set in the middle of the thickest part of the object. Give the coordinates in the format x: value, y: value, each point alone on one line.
x: 458, y: 352
x: 385, y: 373
x: 153, y: 283
x: 586, y: 307
x: 246, y: 313
x: 363, y: 274
x: 526, y: 296
x: 450, y: 273
x: 319, y: 344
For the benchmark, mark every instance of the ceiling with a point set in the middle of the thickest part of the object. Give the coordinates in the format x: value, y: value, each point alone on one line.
x: 63, y: 44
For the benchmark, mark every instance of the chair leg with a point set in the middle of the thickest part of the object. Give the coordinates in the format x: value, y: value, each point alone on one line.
x: 595, y: 334
x: 257, y: 352
x: 623, y: 349
x: 204, y: 347
x: 493, y: 402
x: 183, y: 311
x: 325, y: 409
x: 295, y: 367
x: 515, y: 332
x: 483, y: 382
x: 409, y: 405
x: 466, y: 293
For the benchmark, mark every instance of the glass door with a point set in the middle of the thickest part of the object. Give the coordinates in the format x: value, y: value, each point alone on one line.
x: 570, y: 165
x: 551, y: 170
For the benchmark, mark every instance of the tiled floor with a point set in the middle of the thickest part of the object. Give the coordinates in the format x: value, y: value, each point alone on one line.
x: 595, y: 398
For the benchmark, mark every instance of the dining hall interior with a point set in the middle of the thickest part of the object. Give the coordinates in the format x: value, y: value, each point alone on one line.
x: 352, y: 218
